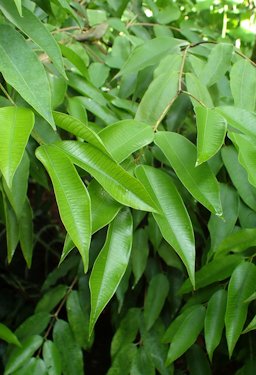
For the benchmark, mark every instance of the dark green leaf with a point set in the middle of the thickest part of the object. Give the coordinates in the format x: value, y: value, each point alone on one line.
x: 52, y: 358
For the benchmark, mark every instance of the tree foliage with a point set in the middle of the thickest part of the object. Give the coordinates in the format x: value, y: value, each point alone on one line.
x: 127, y: 137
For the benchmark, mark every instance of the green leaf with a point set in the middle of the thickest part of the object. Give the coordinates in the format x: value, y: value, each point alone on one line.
x: 125, y: 137
x: 19, y: 356
x: 80, y: 130
x: 251, y: 326
x: 33, y: 325
x: 78, y: 319
x: 214, y: 320
x: 173, y: 219
x: 197, y: 361
x: 139, y: 256
x: 114, y: 179
x: 51, y: 299
x: 150, y: 53
x: 32, y: 84
x: 110, y: 264
x: 238, y: 176
x: 246, y: 154
x: 217, y: 270
x: 52, y: 358
x: 16, y: 125
x: 71, y: 195
x: 198, y: 90
x: 26, y: 233
x: 123, y: 360
x: 217, y: 64
x: 31, y: 25
x: 242, y: 84
x: 31, y: 367
x: 12, y: 229
x: 211, y: 131
x: 142, y: 363
x: 240, y: 119
x: 75, y: 59
x: 155, y: 298
x: 103, y: 207
x: 241, y: 286
x: 19, y: 6
x: 77, y: 110
x: 238, y: 241
x: 190, y: 329
x: 70, y: 353
x: 200, y: 181
x: 7, y: 335
x: 100, y: 111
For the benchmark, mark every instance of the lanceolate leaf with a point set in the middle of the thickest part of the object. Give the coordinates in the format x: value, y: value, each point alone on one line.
x: 19, y: 6
x: 52, y: 358
x: 35, y: 30
x: 189, y: 329
x: 32, y: 84
x: 217, y: 64
x: 238, y: 241
x: 150, y: 52
x: 198, y: 90
x: 110, y: 264
x: 158, y: 98
x: 114, y: 179
x: 26, y: 232
x: 211, y: 131
x: 242, y: 84
x: 173, y: 219
x: 246, y: 154
x: 241, y: 286
x: 71, y: 195
x: 200, y: 181
x: 7, y: 335
x: 16, y: 125
x: 125, y: 137
x: 214, y: 320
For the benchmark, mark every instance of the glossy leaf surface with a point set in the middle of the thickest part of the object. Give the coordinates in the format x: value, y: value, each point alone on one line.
x: 7, y: 335
x: 52, y: 358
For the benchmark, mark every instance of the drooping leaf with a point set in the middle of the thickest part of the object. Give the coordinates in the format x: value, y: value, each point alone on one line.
x: 158, y: 98
x: 123, y: 360
x: 52, y: 358
x: 238, y: 176
x: 241, y: 286
x: 251, y: 326
x: 30, y: 24
x: 51, y: 298
x: 198, y: 90
x: 150, y: 52
x: 242, y: 84
x: 173, y: 219
x: 110, y: 264
x: 189, y: 328
x: 32, y: 366
x: 100, y: 111
x: 125, y: 137
x: 33, y: 325
x: 214, y: 320
x: 142, y: 363
x: 156, y: 295
x: 217, y: 270
x: 211, y: 131
x: 75, y: 59
x: 32, y: 84
x: 217, y: 64
x: 70, y: 353
x: 16, y: 125
x: 12, y: 229
x: 20, y: 355
x: 71, y: 195
x: 26, y: 232
x: 246, y: 154
x: 200, y: 181
x: 238, y: 241
x: 114, y: 179
x: 7, y: 335
x: 139, y: 256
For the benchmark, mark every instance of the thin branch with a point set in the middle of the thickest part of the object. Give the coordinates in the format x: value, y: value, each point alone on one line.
x: 130, y: 24
x: 165, y: 111
x: 192, y: 96
x: 7, y: 94
x: 182, y: 67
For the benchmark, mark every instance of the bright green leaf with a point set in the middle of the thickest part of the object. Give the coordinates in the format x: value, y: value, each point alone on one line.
x: 198, y: 90
x: 7, y: 335
x: 52, y: 358
x: 238, y: 241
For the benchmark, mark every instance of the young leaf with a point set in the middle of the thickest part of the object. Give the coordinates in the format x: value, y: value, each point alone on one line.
x: 156, y: 295
x: 7, y: 335
x: 70, y: 353
x: 217, y: 64
x: 125, y: 137
x: 241, y: 286
x: 150, y: 52
x: 71, y: 195
x: 110, y: 264
x: 189, y: 329
x: 238, y: 176
x: 16, y: 125
x: 246, y: 154
x: 52, y: 358
x: 173, y: 219
x: 31, y: 25
x: 158, y: 98
x: 114, y: 179
x: 20, y: 355
x: 200, y: 181
x: 214, y: 320
x: 211, y: 131
x: 32, y: 84
x: 242, y: 84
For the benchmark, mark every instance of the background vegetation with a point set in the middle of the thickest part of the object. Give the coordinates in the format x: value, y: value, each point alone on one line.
x: 128, y: 201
